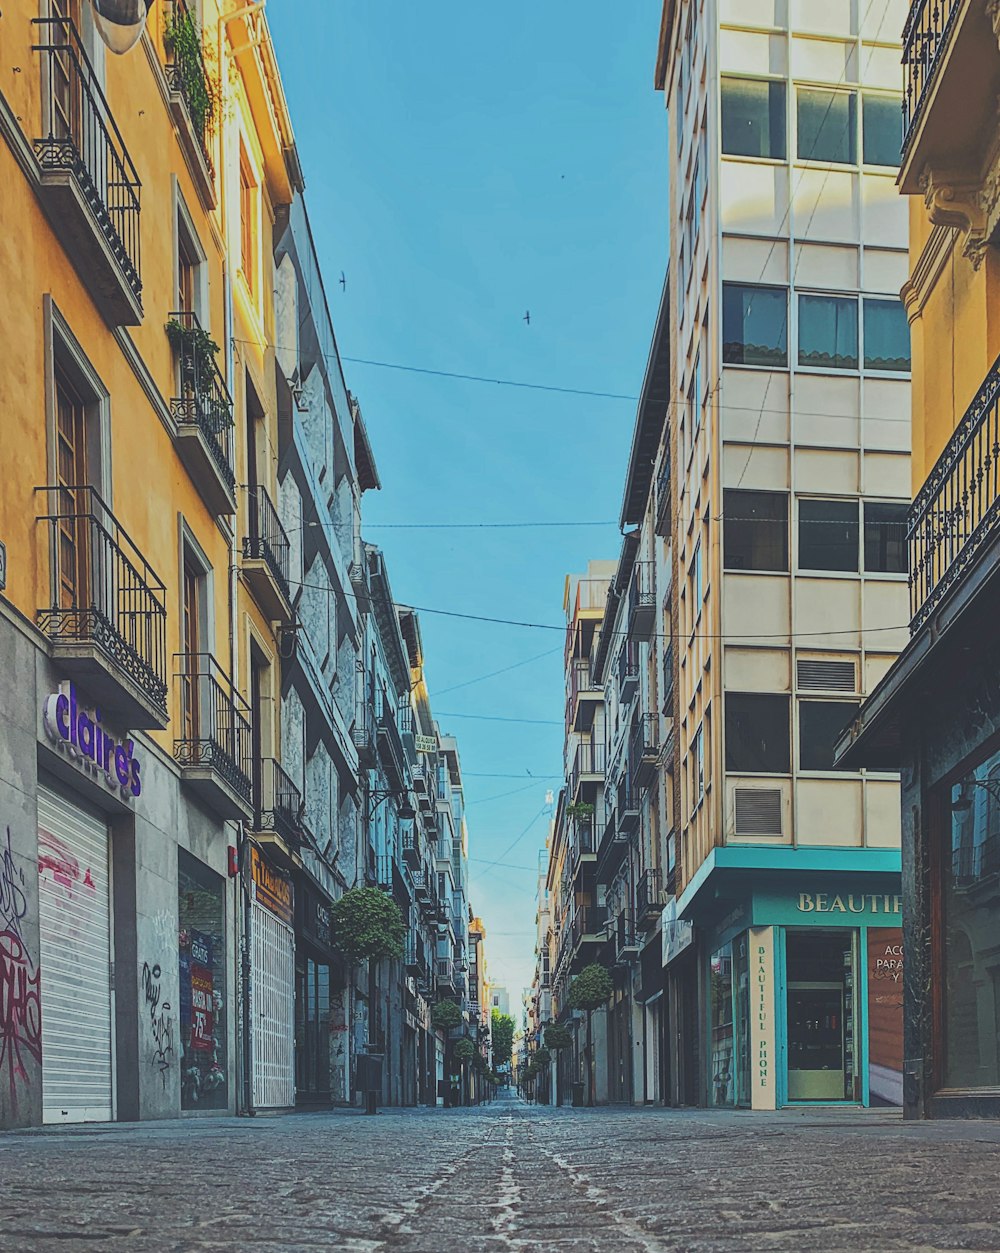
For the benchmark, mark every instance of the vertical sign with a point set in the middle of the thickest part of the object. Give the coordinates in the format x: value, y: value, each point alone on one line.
x: 763, y: 1094
x: 885, y: 1015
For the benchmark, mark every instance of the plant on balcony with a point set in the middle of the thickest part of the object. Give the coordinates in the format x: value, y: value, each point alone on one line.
x: 580, y: 809
x: 366, y: 925
x: 182, y: 37
x: 197, y: 343
x: 445, y: 1016
x: 591, y: 989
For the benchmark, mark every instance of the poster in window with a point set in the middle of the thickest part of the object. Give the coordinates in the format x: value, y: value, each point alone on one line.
x: 885, y: 1015
x: 202, y: 1008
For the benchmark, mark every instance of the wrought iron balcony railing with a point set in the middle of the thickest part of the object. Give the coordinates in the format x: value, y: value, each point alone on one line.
x: 104, y: 591
x: 644, y: 749
x: 214, y: 722
x: 83, y: 139
x: 628, y: 671
x: 649, y: 895
x: 279, y: 803
x: 589, y: 760
x: 641, y: 601
x: 267, y: 540
x: 925, y: 38
x: 204, y: 400
x: 667, y: 675
x: 663, y: 498
x: 186, y: 71
x: 958, y: 507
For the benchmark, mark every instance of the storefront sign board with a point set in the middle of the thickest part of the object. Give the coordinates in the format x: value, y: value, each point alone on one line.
x: 76, y: 730
x: 885, y: 1015
x: 763, y: 1054
x: 270, y: 889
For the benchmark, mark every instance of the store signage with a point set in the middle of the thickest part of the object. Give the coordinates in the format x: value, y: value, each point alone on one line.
x: 762, y: 1033
x: 273, y: 892
x: 202, y: 1002
x: 676, y: 934
x: 425, y: 743
x: 885, y: 1014
x: 321, y: 923
x: 864, y: 903
x: 77, y: 732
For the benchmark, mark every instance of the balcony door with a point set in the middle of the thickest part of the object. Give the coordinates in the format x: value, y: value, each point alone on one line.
x: 71, y: 469
x: 65, y: 121
x: 193, y: 597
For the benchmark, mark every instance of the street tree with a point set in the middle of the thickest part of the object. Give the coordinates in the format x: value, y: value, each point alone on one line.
x: 556, y: 1038
x: 502, y: 1035
x: 591, y: 989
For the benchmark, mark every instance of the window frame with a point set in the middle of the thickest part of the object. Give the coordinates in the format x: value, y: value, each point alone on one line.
x: 846, y: 298
x: 848, y: 704
x: 728, y: 493
x: 757, y: 365
x: 866, y: 93
x: 730, y: 697
x: 769, y: 83
x: 810, y: 571
x: 855, y: 130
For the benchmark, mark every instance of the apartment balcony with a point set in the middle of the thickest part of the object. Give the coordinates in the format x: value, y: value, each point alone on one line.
x: 644, y: 749
x: 421, y: 885
x: 357, y: 573
x: 87, y: 185
x: 625, y: 937
x: 667, y: 680
x: 663, y: 498
x: 423, y: 779
x: 106, y: 619
x: 650, y: 897
x: 412, y: 854
x: 363, y: 734
x: 279, y: 809
x: 952, y: 530
x: 589, y: 926
x: 412, y: 962
x: 203, y: 412
x: 614, y: 844
x: 951, y: 81
x: 627, y: 804
x: 583, y: 841
x: 189, y: 97
x: 390, y: 743
x: 390, y: 878
x: 641, y: 601
x: 213, y: 747
x: 588, y: 770
x: 444, y: 969
x: 628, y: 672
x: 585, y: 695
x: 267, y: 557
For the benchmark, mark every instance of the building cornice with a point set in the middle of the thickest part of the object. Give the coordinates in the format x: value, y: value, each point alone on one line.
x: 927, y: 270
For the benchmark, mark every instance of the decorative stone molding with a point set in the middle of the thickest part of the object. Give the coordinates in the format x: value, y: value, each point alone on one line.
x: 993, y: 13
x: 927, y: 270
x: 969, y: 205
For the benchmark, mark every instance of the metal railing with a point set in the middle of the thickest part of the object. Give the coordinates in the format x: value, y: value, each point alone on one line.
x: 641, y: 596
x: 663, y: 497
x: 589, y: 759
x: 590, y: 920
x: 214, y: 722
x: 204, y: 399
x: 267, y: 540
x: 82, y: 137
x: 187, y: 74
x: 957, y: 508
x: 925, y: 37
x: 279, y: 804
x: 667, y: 675
x: 388, y: 729
x: 628, y: 668
x: 103, y: 590
x: 444, y: 968
x: 649, y: 895
x: 644, y: 742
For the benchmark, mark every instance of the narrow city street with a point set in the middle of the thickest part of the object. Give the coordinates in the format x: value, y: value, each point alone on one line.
x: 506, y: 1176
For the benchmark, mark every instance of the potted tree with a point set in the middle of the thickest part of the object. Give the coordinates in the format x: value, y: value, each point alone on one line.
x: 366, y: 925
x: 556, y: 1039
x: 446, y: 1016
x: 591, y: 989
x: 463, y: 1052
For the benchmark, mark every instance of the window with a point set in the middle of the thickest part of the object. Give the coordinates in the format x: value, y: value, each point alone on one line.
x: 753, y: 118
x: 696, y: 385
x: 757, y: 740
x: 204, y: 1030
x: 881, y: 129
x: 827, y: 126
x: 754, y: 325
x: 828, y: 535
x: 828, y: 332
x: 821, y: 723
x: 71, y: 473
x: 697, y: 587
x: 248, y: 222
x: 885, y: 537
x: 887, y: 336
x: 755, y: 530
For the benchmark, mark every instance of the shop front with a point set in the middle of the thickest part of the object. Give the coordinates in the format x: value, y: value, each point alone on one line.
x: 803, y: 979
x: 315, y: 980
x: 272, y: 984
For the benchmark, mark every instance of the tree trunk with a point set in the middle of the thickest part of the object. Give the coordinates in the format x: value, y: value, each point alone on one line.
x: 590, y: 1060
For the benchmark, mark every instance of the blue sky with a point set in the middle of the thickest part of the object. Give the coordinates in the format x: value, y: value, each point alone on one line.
x: 465, y: 164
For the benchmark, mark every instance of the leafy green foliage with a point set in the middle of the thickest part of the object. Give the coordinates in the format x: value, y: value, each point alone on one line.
x: 445, y: 1015
x: 580, y: 809
x: 503, y: 1037
x: 591, y: 988
x: 196, y: 342
x: 557, y: 1037
x: 464, y: 1049
x: 366, y: 924
x: 541, y: 1058
x: 201, y: 94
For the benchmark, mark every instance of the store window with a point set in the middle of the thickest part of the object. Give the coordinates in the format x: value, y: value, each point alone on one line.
x: 970, y: 923
x: 829, y: 535
x: 754, y: 325
x: 755, y: 530
x: 757, y: 738
x: 723, y: 1085
x: 828, y: 332
x: 887, y: 336
x: 202, y: 944
x: 821, y: 724
x: 885, y: 537
x: 881, y: 129
x: 753, y: 118
x: 827, y: 126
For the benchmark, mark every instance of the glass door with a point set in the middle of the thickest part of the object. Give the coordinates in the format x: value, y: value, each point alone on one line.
x: 821, y: 1015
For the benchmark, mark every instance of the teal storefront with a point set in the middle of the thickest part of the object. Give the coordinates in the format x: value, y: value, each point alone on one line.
x: 800, y: 957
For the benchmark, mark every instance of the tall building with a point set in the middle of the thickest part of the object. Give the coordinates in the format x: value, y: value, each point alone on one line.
x: 790, y: 471
x: 935, y: 715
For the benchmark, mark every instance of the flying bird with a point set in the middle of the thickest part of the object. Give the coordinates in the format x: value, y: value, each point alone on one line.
x: 343, y: 281
x: 527, y: 317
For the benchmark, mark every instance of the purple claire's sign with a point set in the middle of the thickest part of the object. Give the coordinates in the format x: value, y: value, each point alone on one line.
x: 77, y: 731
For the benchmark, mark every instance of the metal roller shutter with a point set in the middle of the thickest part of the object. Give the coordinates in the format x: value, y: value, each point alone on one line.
x: 273, y: 991
x: 74, y: 907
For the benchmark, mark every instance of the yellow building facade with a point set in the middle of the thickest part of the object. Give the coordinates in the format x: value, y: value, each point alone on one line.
x: 145, y: 581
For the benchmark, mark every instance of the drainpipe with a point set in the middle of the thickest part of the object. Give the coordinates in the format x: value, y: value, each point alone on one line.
x: 246, y: 974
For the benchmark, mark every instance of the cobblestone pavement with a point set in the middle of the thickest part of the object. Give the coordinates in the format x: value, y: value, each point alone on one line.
x: 507, y: 1176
